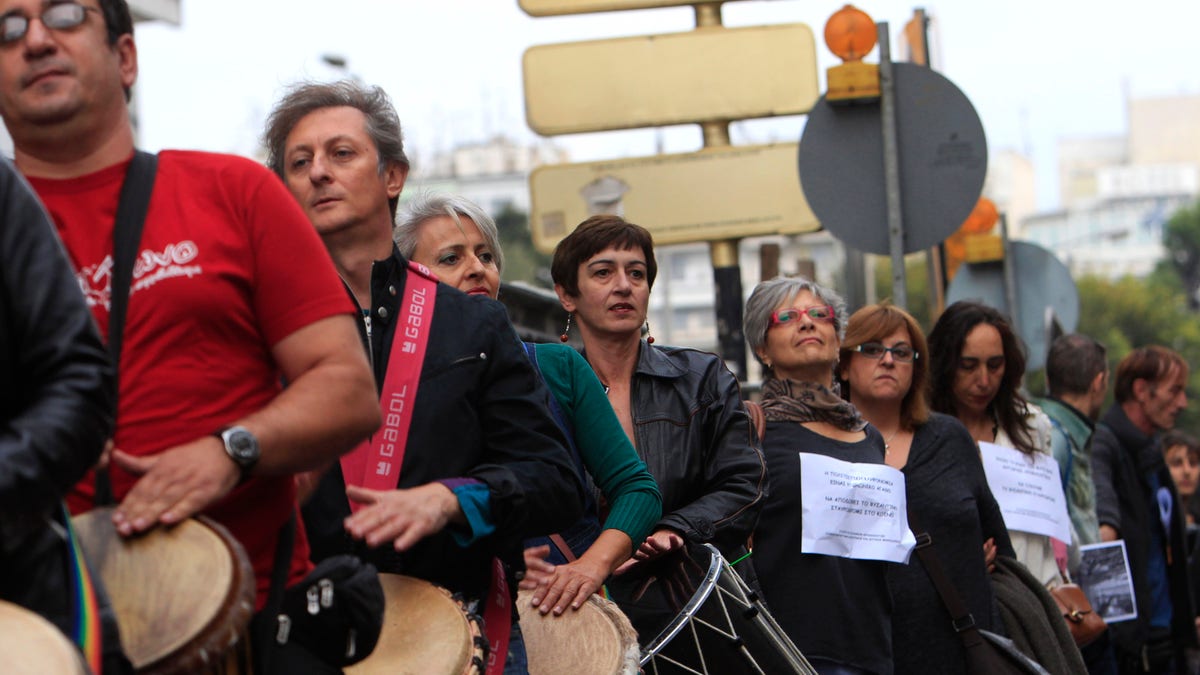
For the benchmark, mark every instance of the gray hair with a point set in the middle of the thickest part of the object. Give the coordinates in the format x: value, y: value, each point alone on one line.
x: 303, y: 98
x: 431, y: 205
x: 769, y: 295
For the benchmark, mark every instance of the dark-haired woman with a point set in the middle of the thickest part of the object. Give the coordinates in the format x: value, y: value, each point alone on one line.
x: 977, y: 362
x: 680, y: 407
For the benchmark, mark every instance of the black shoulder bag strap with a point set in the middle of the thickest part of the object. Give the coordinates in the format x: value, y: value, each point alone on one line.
x: 127, y: 235
x: 963, y: 622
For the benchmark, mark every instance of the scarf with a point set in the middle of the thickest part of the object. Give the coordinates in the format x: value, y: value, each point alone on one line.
x: 791, y: 401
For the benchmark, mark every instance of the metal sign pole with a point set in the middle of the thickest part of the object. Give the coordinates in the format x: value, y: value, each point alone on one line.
x: 1010, y: 277
x: 891, y: 168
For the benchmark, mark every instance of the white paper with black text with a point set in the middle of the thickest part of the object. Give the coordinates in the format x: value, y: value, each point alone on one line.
x: 853, y: 510
x: 1028, y: 489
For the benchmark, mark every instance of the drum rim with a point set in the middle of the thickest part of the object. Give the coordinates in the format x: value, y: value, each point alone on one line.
x: 708, y: 584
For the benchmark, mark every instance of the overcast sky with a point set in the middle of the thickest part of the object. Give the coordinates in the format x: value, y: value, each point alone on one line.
x: 1035, y: 71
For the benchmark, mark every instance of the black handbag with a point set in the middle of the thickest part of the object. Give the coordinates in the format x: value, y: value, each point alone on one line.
x: 987, y: 653
x: 329, y: 620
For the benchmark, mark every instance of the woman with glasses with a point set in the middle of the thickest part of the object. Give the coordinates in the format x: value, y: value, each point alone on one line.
x: 680, y: 407
x: 837, y: 610
x: 459, y: 242
x: 884, y: 365
x: 977, y: 363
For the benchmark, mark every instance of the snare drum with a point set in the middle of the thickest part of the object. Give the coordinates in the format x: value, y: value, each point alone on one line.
x: 183, y: 595
x: 596, y: 639
x: 31, y: 645
x: 425, y: 630
x: 721, y: 627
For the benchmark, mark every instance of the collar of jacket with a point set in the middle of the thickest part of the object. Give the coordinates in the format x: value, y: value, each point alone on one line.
x: 1076, y: 423
x: 1143, y: 448
x: 655, y: 363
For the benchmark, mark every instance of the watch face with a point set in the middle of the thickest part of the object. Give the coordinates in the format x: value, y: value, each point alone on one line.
x: 242, y: 445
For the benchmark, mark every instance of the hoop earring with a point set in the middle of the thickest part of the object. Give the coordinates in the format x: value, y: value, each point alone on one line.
x: 564, y: 337
x: 649, y: 337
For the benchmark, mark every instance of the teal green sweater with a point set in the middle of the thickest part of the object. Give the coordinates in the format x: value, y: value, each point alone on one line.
x: 1071, y: 438
x: 634, y: 502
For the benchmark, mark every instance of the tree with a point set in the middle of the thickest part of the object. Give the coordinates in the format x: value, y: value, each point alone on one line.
x: 1181, y: 238
x: 522, y: 262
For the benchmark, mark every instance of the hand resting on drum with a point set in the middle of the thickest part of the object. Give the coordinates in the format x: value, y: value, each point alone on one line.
x: 557, y: 586
x: 403, y: 517
x: 175, y: 484
x: 659, y: 543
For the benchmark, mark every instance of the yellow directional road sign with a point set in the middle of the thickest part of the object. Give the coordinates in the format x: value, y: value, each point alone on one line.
x: 713, y: 194
x: 704, y: 75
x: 555, y: 7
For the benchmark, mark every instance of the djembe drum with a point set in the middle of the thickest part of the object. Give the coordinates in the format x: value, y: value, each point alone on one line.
x: 183, y: 595
x: 31, y: 645
x: 425, y: 630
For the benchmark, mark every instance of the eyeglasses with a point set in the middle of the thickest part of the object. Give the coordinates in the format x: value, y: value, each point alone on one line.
x: 60, y: 16
x: 900, y: 353
x: 790, y: 314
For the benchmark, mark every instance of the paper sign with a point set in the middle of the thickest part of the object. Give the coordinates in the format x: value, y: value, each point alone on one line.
x: 853, y: 510
x: 1105, y: 580
x: 1028, y: 489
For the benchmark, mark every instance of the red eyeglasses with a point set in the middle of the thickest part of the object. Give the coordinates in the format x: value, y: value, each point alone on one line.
x: 790, y: 314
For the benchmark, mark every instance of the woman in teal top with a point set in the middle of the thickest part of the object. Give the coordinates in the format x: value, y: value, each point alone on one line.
x: 458, y: 241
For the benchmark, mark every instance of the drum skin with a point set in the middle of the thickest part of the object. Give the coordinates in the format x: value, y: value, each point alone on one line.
x: 183, y: 595
x: 425, y: 630
x: 31, y: 645
x: 596, y: 639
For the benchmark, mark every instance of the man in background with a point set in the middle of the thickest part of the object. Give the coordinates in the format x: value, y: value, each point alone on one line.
x: 1136, y: 501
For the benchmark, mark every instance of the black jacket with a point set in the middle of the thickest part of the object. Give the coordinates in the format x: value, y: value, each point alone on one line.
x: 1123, y: 458
x: 695, y: 437
x: 481, y: 412
x: 56, y: 400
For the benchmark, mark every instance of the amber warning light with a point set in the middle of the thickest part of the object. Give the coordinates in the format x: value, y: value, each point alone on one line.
x: 851, y: 34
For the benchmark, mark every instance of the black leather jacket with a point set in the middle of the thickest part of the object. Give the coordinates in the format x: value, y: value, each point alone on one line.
x: 482, y: 413
x: 693, y: 432
x: 55, y: 400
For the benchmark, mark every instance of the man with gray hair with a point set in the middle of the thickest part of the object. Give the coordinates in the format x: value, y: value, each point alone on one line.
x: 478, y: 465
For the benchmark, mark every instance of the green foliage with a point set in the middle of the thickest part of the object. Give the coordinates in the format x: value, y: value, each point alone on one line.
x: 1130, y: 313
x: 522, y: 262
x: 1181, y: 238
x: 916, y: 282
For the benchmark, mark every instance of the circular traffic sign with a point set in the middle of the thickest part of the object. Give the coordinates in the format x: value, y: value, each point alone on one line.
x: 1043, y: 283
x: 942, y: 155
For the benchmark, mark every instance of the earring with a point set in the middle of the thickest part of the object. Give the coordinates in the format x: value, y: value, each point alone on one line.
x: 564, y: 337
x: 649, y: 337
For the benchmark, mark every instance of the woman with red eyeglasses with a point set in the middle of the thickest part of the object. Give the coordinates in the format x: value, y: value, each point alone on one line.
x: 836, y: 609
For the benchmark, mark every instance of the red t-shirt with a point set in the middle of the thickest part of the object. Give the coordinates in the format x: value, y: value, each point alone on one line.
x: 228, y: 266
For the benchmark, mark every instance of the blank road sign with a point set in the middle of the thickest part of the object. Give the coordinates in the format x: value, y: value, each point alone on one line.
x: 655, y: 80
x: 713, y: 194
x: 555, y: 7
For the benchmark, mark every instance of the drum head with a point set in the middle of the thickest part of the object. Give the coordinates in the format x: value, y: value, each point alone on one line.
x: 424, y: 631
x: 31, y: 645
x: 180, y: 591
x: 596, y: 639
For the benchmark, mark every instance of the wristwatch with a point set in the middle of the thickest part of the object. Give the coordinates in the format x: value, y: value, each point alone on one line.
x: 241, y: 446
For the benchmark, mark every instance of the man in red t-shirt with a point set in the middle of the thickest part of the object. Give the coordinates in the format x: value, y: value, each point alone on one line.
x: 232, y: 292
